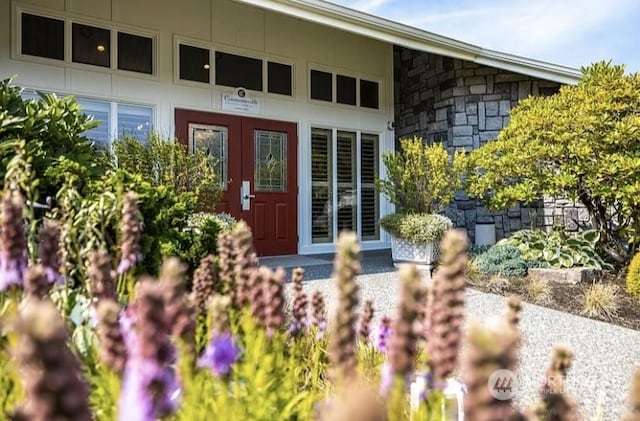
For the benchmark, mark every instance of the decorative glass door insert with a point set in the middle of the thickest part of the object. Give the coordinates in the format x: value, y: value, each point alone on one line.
x: 213, y: 142
x: 270, y: 161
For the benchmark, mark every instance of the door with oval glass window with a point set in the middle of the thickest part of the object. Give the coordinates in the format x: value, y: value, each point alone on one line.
x: 257, y: 163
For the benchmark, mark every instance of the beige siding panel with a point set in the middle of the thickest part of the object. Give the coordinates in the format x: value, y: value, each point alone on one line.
x: 185, y: 17
x: 346, y: 50
x: 100, y: 9
x: 5, y: 30
x: 238, y: 25
x: 286, y: 36
x: 90, y: 82
x: 49, y: 4
x: 140, y: 89
x: 373, y: 56
x: 35, y: 75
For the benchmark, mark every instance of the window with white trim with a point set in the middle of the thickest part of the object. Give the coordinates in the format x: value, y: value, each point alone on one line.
x: 45, y: 37
x: 344, y: 167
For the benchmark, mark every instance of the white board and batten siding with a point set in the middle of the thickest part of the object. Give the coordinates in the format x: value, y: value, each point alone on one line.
x: 219, y: 25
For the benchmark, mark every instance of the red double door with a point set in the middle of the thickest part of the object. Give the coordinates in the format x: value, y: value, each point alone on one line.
x: 257, y: 161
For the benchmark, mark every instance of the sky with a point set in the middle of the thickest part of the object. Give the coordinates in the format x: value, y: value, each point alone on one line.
x: 569, y: 32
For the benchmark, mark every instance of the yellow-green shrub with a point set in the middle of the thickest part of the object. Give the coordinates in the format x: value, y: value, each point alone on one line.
x: 633, y: 276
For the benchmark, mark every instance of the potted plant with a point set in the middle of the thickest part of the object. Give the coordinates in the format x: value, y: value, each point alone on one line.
x: 421, y: 180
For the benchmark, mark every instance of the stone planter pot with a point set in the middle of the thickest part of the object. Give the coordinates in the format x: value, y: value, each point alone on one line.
x: 423, y: 255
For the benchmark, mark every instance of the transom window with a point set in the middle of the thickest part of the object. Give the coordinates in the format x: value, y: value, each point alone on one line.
x: 238, y: 71
x: 42, y: 36
x: 349, y: 90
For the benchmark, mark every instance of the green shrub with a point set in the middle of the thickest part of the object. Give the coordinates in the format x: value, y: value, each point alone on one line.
x: 164, y: 162
x: 556, y: 248
x: 200, y: 236
x: 53, y: 130
x: 421, y: 178
x: 548, y: 149
x: 501, y: 259
x: 418, y: 228
x: 633, y: 276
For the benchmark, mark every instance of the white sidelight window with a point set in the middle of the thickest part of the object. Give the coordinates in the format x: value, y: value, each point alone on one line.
x: 344, y: 167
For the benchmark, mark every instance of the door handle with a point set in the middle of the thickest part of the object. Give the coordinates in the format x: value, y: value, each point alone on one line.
x: 245, y: 195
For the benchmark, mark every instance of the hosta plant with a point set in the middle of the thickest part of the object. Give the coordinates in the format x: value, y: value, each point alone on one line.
x: 558, y: 249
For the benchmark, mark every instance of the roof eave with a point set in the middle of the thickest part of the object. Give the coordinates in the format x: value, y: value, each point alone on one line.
x: 374, y: 27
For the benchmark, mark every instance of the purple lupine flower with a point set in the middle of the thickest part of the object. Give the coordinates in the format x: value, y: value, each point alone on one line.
x: 384, y: 333
x: 150, y: 387
x: 49, y: 251
x: 131, y: 231
x: 13, y: 254
x: 387, y: 377
x: 220, y: 354
x: 142, y: 376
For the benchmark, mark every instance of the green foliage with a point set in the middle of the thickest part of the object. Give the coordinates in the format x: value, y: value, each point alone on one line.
x: 168, y: 163
x: 558, y: 249
x: 501, y: 259
x: 418, y: 228
x: 164, y: 214
x: 421, y: 178
x: 199, y: 237
x: 582, y: 143
x: 633, y: 276
x: 52, y: 128
x: 277, y: 378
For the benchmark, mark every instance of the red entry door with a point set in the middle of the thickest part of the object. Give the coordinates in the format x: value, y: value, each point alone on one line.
x: 257, y: 160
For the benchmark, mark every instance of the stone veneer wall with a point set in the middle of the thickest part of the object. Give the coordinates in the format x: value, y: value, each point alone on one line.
x: 464, y: 105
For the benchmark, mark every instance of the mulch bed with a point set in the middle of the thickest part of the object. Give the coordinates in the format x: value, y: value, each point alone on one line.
x: 569, y: 298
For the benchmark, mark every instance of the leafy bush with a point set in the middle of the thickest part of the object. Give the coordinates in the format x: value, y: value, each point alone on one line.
x: 548, y: 148
x: 418, y: 228
x: 168, y: 163
x: 556, y: 248
x: 53, y: 130
x: 633, y: 276
x: 421, y: 178
x: 502, y: 259
x: 200, y: 235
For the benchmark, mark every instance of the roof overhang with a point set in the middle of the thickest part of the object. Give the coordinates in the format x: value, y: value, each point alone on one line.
x: 346, y: 19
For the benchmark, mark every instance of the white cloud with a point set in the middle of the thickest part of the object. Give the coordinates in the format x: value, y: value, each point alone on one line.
x: 522, y: 25
x: 368, y: 6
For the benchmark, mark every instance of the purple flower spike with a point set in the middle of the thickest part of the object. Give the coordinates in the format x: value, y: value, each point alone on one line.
x: 384, y: 333
x: 13, y: 255
x: 53, y: 277
x: 137, y: 403
x: 220, y: 354
x: 11, y: 273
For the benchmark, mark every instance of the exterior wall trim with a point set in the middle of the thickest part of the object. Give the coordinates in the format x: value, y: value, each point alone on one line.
x: 350, y: 20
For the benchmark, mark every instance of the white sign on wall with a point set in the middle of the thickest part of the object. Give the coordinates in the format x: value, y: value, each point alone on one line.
x: 240, y: 101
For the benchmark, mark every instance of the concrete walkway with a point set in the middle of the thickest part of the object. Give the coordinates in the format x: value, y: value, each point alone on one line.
x: 605, y: 354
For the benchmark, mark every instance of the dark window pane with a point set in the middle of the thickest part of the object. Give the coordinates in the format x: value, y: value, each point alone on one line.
x: 42, y: 37
x: 194, y: 63
x: 369, y: 94
x: 91, y: 45
x: 135, y: 53
x: 279, y: 78
x: 346, y: 90
x: 238, y: 71
x: 321, y: 85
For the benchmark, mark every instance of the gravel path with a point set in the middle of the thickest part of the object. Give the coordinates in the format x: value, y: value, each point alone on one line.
x: 604, y: 354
